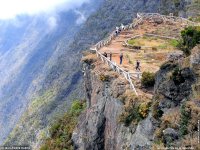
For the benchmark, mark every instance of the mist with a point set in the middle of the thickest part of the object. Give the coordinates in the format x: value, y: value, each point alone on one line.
x: 9, y: 9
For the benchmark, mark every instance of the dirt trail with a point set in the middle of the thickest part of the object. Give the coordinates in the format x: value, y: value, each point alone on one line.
x: 150, y: 60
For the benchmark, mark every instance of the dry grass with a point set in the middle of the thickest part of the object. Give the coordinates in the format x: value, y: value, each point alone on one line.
x: 158, y: 146
x: 172, y: 117
x: 195, y: 115
x: 196, y: 91
x: 147, y: 41
x: 186, y: 62
x: 106, y: 73
x: 89, y: 59
x: 190, y: 141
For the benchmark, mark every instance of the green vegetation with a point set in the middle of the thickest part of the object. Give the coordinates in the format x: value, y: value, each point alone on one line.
x: 131, y: 42
x: 173, y: 42
x: 195, y: 19
x: 190, y: 38
x: 148, y: 79
x: 163, y: 46
x: 154, y: 42
x: 130, y: 115
x: 61, y: 131
x: 176, y: 76
x: 156, y: 111
x: 185, y: 117
x: 144, y: 109
x: 34, y: 118
x: 135, y: 109
x: 134, y: 113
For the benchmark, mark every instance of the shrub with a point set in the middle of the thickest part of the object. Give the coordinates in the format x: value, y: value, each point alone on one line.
x: 185, y: 116
x: 176, y: 76
x: 148, y: 79
x: 77, y: 107
x: 154, y: 48
x: 131, y: 115
x: 144, y: 109
x: 156, y: 111
x: 190, y: 38
x: 103, y: 77
x: 135, y: 109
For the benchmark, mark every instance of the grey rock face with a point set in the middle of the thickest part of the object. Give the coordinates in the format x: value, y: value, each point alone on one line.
x: 98, y: 127
x: 170, y: 135
x: 175, y: 56
x: 173, y: 91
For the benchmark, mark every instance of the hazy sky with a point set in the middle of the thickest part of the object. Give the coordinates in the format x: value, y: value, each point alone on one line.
x: 11, y: 8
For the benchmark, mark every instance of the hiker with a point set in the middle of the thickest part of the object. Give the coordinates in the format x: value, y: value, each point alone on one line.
x: 105, y: 54
x: 117, y: 28
x: 110, y: 56
x: 122, y: 26
x: 121, y: 58
x: 137, y: 66
x: 117, y: 31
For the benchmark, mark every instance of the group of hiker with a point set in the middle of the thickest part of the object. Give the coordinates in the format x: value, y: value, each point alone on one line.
x: 137, y: 67
x: 119, y: 29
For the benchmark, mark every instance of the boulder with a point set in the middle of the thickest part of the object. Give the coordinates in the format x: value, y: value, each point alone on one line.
x: 158, y: 20
x: 170, y: 135
x: 175, y: 56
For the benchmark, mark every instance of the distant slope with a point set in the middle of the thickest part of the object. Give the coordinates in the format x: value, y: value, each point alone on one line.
x: 30, y: 51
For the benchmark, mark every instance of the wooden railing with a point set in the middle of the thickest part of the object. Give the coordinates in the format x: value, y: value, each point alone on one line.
x: 108, y: 40
x: 128, y: 76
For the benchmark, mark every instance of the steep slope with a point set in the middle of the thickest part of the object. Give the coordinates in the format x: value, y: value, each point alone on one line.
x: 35, y: 59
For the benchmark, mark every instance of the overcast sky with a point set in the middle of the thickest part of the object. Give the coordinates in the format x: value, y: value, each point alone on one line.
x: 10, y: 8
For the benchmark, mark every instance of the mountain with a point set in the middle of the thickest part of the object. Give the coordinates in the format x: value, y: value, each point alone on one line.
x: 39, y: 87
x: 35, y: 58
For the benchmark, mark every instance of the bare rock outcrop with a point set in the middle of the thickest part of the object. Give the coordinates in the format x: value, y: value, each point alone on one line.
x: 99, y: 128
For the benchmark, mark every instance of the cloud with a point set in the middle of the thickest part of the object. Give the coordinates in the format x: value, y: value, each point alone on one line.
x: 52, y: 22
x: 81, y: 19
x: 11, y: 8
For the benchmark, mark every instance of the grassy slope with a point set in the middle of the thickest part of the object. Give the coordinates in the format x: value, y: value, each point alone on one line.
x: 61, y: 131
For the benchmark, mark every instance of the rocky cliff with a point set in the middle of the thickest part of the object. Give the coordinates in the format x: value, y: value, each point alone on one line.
x: 99, y: 127
x: 103, y: 125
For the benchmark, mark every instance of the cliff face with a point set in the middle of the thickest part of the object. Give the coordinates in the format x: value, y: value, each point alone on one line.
x: 99, y: 127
